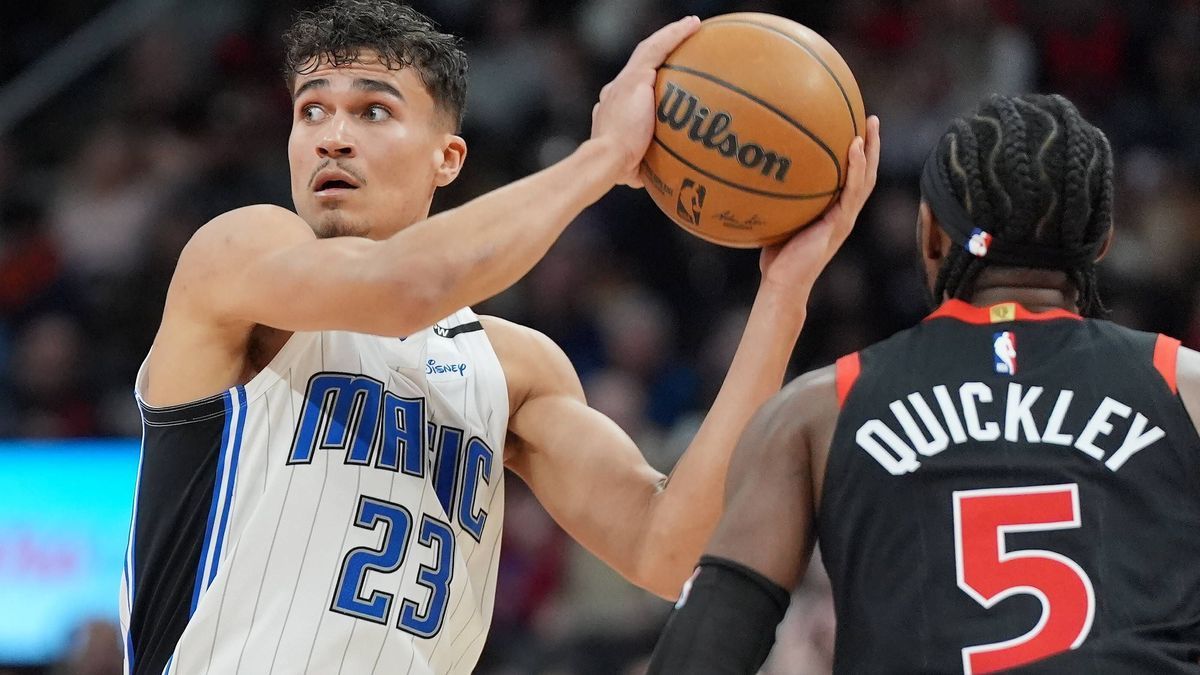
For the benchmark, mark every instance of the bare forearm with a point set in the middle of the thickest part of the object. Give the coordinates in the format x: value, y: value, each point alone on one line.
x: 685, y: 513
x: 470, y: 253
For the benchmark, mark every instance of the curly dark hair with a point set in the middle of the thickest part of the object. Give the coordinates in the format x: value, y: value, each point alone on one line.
x: 1030, y: 170
x: 401, y: 37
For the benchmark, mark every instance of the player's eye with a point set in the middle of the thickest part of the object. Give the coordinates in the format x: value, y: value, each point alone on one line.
x: 377, y: 113
x: 312, y: 113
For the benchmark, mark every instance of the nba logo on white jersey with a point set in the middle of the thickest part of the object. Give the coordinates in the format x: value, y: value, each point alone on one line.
x: 1004, y: 348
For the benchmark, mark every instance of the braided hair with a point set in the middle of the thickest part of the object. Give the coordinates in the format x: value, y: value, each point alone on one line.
x: 1029, y: 170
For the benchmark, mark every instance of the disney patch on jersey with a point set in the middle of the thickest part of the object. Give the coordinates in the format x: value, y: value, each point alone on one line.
x: 446, y: 367
x: 978, y: 243
x: 1004, y: 351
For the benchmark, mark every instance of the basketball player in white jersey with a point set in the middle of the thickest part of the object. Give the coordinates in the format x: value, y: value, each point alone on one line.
x: 326, y: 428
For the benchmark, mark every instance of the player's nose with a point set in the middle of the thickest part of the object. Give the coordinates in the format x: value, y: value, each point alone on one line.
x: 336, y: 143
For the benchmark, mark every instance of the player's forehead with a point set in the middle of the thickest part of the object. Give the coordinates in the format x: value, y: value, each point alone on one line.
x: 342, y: 75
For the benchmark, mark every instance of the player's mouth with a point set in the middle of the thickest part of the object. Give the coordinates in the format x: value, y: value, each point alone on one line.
x: 330, y: 183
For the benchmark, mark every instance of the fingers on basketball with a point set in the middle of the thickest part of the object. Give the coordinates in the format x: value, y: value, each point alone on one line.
x: 651, y: 52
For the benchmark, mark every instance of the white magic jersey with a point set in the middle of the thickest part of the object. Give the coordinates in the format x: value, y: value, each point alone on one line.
x: 340, y: 513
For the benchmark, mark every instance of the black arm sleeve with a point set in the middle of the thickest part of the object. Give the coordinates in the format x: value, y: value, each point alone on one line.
x: 723, y: 624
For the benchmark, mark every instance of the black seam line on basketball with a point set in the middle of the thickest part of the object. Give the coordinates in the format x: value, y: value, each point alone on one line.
x: 838, y: 82
x: 734, y: 88
x: 743, y: 188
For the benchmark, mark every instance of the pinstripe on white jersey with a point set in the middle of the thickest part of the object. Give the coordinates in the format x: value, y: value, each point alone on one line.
x: 353, y: 522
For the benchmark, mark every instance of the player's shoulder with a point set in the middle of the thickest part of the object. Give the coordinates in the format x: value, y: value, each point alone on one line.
x: 250, y: 227
x: 227, y: 242
x: 1187, y: 379
x: 812, y: 383
x: 807, y: 404
x: 902, y: 341
x: 532, y: 362
x: 213, y: 259
x: 514, y: 339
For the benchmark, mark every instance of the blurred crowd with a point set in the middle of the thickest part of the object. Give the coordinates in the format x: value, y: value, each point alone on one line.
x: 101, y: 186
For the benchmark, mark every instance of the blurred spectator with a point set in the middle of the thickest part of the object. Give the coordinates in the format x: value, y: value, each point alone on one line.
x: 47, y: 397
x: 636, y: 327
x: 95, y: 649
x: 105, y: 200
x: 1084, y: 47
x: 530, y: 574
x: 31, y: 269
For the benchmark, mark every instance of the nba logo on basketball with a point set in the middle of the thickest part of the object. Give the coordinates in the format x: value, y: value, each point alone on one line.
x: 690, y: 202
x: 1004, y: 348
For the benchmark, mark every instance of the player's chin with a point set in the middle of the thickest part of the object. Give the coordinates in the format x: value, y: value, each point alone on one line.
x: 338, y: 222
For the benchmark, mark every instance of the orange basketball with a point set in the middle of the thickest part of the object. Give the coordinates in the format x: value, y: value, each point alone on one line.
x: 754, y: 121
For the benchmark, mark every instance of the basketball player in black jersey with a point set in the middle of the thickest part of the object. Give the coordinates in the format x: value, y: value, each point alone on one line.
x: 1011, y: 484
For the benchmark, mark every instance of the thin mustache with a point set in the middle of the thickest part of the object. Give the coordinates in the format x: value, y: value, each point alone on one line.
x: 341, y: 167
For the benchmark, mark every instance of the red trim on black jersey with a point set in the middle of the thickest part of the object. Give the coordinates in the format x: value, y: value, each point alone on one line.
x: 846, y: 373
x: 1166, y: 353
x: 1001, y: 312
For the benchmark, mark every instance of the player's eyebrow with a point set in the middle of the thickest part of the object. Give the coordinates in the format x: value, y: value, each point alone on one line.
x: 361, y: 84
x: 319, y: 83
x: 365, y: 84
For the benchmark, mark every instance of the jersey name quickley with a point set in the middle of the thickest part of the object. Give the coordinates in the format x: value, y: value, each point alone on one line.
x: 977, y: 412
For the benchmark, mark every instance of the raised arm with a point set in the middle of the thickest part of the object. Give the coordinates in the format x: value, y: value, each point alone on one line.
x: 593, y: 480
x: 262, y: 265
x: 725, y: 619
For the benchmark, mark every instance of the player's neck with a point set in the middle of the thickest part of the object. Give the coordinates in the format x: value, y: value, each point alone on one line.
x: 1033, y: 299
x: 1035, y: 290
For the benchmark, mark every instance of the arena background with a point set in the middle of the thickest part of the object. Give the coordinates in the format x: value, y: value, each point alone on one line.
x: 125, y: 126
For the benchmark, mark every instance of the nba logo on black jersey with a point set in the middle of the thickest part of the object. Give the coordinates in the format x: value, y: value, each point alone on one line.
x: 1004, y: 350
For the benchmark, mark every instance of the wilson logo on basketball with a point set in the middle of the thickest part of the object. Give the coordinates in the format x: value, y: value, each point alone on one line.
x: 679, y: 109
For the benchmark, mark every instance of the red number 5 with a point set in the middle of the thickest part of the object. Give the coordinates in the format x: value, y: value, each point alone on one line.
x: 989, y: 572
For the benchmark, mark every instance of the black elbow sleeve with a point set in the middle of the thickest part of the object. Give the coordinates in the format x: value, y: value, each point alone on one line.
x: 723, y: 624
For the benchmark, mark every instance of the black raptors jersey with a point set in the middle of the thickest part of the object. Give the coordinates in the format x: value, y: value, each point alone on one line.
x: 1003, y: 486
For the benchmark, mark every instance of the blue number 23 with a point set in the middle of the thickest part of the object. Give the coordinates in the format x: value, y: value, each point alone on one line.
x: 397, y: 523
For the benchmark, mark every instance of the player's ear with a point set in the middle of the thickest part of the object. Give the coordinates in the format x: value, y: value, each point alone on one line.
x: 933, y: 243
x: 1108, y: 240
x: 454, y: 153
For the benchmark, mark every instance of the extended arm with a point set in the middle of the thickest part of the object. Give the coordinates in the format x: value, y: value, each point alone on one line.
x: 725, y: 622
x: 592, y: 478
x: 264, y: 265
x: 594, y: 481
